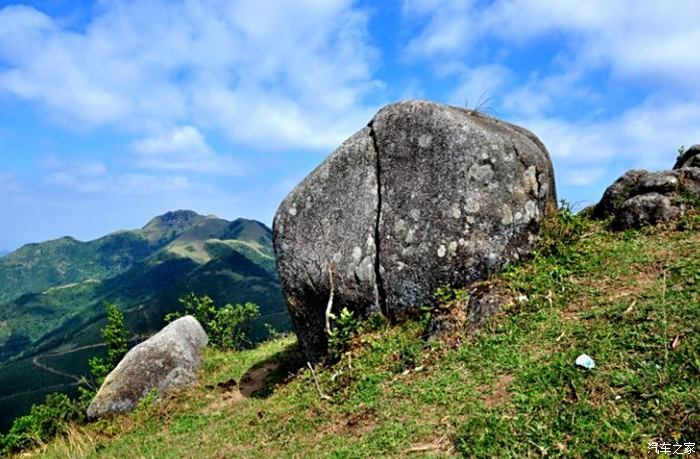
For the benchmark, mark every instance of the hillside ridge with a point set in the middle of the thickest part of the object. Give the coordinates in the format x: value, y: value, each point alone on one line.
x: 509, y: 389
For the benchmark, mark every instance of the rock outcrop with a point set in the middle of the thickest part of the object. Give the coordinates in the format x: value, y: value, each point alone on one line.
x: 641, y: 198
x: 689, y: 158
x: 425, y: 195
x: 165, y: 362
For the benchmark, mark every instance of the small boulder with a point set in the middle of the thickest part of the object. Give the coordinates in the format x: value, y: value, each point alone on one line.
x: 167, y: 361
x: 617, y: 193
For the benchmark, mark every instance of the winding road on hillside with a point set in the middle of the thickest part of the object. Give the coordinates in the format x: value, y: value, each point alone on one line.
x: 78, y: 379
x: 43, y: 366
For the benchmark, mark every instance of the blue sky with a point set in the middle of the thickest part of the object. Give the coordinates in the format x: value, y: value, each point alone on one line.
x: 112, y: 112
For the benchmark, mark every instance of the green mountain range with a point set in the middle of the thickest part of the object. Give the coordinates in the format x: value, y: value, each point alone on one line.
x: 52, y: 294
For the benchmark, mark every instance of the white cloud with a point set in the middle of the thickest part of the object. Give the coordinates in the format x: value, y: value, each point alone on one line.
x: 450, y: 29
x: 646, y: 39
x: 636, y: 38
x: 646, y: 136
x: 181, y: 149
x: 92, y: 177
x: 125, y: 184
x: 593, y: 47
x: 583, y: 176
x: 267, y: 74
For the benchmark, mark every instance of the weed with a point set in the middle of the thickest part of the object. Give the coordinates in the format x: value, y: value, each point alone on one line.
x: 446, y: 294
x: 342, y: 330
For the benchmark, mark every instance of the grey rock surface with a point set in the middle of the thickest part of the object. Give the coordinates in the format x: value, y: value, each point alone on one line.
x: 647, y: 209
x: 328, y: 224
x: 641, y: 198
x: 617, y: 193
x: 425, y: 195
x: 462, y: 195
x: 165, y: 362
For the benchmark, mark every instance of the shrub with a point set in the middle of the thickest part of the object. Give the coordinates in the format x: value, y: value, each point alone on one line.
x: 341, y: 332
x: 560, y: 231
x: 44, y: 421
x: 227, y: 326
x: 51, y: 418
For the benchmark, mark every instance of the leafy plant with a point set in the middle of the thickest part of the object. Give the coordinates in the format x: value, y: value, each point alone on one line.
x: 44, y: 421
x: 446, y: 294
x: 116, y: 339
x: 227, y: 326
x: 426, y: 314
x: 343, y: 329
x: 681, y: 150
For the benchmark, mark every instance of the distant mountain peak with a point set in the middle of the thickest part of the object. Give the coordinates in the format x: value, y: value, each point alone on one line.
x: 176, y: 217
x: 170, y: 224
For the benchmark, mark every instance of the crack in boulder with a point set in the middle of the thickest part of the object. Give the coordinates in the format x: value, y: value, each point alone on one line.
x: 379, y: 283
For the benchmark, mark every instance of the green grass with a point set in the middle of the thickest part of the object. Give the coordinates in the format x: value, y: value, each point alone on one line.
x: 630, y: 300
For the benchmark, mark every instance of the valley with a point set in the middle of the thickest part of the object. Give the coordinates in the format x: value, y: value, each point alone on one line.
x: 53, y: 295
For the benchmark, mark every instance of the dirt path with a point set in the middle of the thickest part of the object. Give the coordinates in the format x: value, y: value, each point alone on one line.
x: 254, y: 380
x: 251, y: 382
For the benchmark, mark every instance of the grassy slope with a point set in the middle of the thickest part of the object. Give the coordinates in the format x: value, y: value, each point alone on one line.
x: 511, y: 390
x: 71, y: 316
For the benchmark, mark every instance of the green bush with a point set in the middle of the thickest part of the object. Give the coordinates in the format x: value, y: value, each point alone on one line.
x: 44, y: 421
x: 227, y: 326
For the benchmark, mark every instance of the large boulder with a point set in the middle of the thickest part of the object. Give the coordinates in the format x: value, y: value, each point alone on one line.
x: 165, y: 362
x: 425, y: 195
x: 640, y: 198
